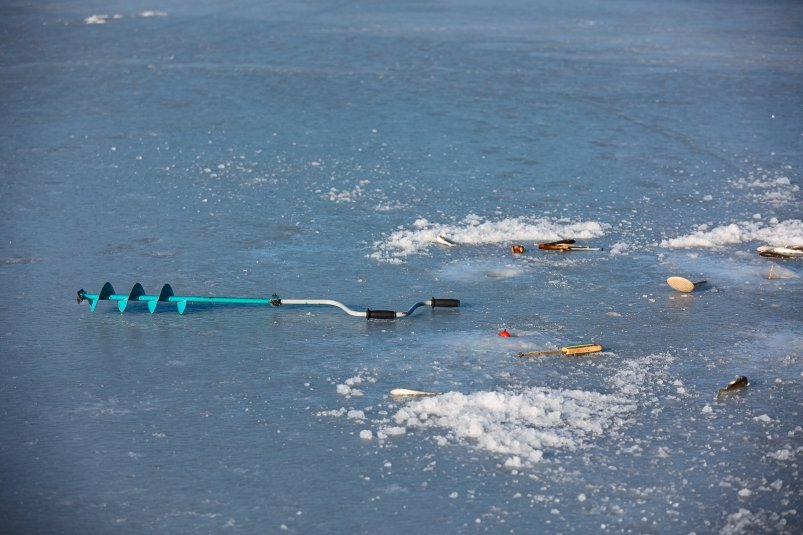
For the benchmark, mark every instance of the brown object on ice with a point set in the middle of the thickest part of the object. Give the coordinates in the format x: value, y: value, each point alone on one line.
x: 560, y: 245
x: 736, y: 384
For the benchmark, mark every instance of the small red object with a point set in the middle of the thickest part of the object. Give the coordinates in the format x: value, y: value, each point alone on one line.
x: 504, y: 333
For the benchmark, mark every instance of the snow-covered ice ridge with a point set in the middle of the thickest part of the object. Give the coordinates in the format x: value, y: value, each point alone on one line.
x: 474, y: 230
x: 520, y: 424
x: 773, y: 232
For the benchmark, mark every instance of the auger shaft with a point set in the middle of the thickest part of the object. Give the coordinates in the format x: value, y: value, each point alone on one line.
x: 166, y: 295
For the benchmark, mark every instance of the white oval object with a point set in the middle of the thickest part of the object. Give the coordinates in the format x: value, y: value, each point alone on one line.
x: 682, y: 285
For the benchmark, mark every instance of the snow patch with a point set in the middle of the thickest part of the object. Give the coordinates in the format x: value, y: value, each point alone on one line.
x: 777, y: 233
x: 521, y: 424
x: 774, y: 190
x: 474, y: 230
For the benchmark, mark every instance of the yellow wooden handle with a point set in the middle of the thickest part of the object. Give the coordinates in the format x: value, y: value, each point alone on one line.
x: 568, y: 350
x: 581, y: 348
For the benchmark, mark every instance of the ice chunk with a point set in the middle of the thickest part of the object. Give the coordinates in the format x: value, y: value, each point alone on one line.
x: 391, y: 432
x: 782, y: 455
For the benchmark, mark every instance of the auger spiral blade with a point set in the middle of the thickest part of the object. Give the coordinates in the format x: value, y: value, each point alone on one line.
x: 134, y: 295
x: 166, y: 295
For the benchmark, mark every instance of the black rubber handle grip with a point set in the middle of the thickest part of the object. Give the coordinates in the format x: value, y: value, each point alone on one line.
x: 380, y: 314
x: 445, y: 302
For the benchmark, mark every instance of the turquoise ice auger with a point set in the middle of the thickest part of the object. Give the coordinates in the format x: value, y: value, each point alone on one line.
x: 137, y: 293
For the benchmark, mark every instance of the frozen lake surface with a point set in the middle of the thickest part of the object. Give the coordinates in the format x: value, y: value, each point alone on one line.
x: 317, y: 150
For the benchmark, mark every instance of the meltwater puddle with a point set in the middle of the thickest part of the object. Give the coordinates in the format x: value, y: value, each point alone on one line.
x: 480, y: 270
x: 517, y: 424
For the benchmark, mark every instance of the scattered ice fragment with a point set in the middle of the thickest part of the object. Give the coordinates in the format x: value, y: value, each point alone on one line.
x: 391, y: 432
x: 96, y: 19
x: 335, y: 413
x: 783, y: 455
x: 513, y: 462
x: 742, y: 521
x: 366, y: 434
